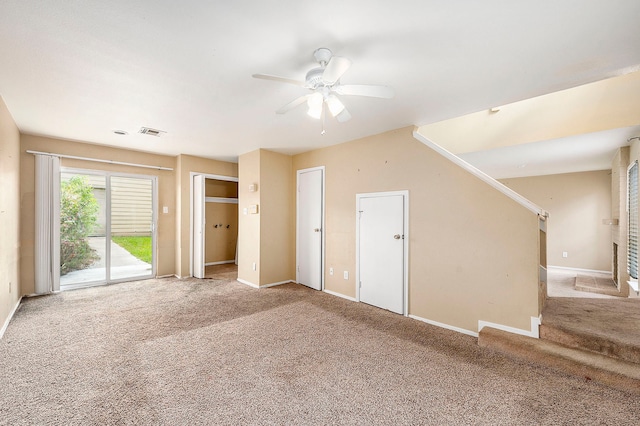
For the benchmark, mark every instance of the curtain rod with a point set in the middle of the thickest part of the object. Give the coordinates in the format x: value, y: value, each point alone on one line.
x: 97, y: 160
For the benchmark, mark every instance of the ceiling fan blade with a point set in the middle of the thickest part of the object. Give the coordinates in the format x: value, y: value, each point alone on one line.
x: 334, y: 70
x: 343, y: 116
x: 294, y: 103
x: 280, y: 79
x: 385, y: 92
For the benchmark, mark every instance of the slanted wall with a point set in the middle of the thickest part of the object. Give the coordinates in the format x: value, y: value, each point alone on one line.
x: 474, y: 252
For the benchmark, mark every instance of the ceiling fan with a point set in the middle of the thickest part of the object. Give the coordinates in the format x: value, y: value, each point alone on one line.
x: 324, y: 83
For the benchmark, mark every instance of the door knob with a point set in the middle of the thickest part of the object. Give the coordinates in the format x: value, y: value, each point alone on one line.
x: 316, y: 230
x: 397, y: 236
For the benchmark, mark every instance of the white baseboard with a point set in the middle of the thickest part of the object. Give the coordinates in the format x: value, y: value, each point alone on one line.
x: 250, y: 284
x: 446, y: 326
x: 8, y: 320
x: 223, y: 262
x: 588, y: 271
x: 275, y: 284
x: 534, y: 332
x: 333, y: 293
x: 245, y: 282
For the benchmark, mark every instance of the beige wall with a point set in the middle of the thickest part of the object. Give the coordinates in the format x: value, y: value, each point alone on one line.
x: 277, y: 217
x: 185, y: 165
x: 249, y: 224
x: 220, y: 188
x: 166, y: 193
x: 9, y: 214
x: 577, y: 203
x: 220, y: 240
x: 266, y: 238
x: 594, y: 107
x: 473, y: 252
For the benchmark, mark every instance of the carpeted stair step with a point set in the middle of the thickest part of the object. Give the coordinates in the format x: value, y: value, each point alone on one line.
x: 605, y: 345
x: 613, y: 372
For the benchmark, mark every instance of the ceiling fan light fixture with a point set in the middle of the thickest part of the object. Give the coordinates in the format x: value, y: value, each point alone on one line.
x: 335, y: 106
x: 315, y: 112
x: 314, y: 102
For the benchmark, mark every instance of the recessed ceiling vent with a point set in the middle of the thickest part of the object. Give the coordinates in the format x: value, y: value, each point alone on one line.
x: 151, y: 132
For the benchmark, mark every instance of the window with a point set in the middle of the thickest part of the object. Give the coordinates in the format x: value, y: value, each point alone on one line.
x: 632, y: 259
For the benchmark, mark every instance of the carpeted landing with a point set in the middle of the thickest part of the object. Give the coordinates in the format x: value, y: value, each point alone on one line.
x: 597, y: 284
x: 217, y: 352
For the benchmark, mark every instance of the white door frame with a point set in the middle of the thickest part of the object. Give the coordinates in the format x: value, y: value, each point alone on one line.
x: 191, y: 209
x: 198, y: 223
x: 322, y: 235
x: 405, y: 242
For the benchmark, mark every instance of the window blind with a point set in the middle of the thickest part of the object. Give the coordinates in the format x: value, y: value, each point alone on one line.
x: 632, y: 256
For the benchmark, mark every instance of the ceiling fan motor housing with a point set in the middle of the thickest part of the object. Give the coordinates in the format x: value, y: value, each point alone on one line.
x: 323, y: 55
x: 313, y: 78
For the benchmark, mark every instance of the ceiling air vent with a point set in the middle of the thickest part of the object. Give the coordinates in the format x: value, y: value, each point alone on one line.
x: 150, y: 131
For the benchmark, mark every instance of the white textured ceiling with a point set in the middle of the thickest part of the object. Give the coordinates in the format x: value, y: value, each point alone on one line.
x: 81, y: 69
x: 581, y: 153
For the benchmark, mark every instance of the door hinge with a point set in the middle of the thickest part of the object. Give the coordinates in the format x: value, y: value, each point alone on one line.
x: 360, y: 284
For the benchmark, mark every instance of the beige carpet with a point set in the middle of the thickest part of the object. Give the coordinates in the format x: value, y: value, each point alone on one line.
x: 218, y: 352
x: 226, y: 271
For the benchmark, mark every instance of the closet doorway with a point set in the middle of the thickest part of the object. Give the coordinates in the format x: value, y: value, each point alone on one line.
x: 214, y: 226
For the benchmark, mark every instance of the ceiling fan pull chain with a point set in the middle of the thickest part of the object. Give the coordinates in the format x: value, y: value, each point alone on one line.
x: 323, y: 115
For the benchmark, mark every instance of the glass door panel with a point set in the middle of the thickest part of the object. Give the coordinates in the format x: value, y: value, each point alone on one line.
x: 131, y: 226
x: 82, y: 229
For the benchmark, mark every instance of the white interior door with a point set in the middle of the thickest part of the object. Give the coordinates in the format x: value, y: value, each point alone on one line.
x: 198, y: 226
x: 381, y: 251
x: 309, y: 228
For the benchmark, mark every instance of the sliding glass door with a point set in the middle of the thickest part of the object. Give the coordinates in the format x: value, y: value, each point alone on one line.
x: 107, y: 227
x: 131, y: 227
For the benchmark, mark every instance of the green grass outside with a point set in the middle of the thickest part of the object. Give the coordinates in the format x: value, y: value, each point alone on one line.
x: 140, y: 247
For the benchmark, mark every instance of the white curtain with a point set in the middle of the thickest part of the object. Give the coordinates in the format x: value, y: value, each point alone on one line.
x: 47, y: 237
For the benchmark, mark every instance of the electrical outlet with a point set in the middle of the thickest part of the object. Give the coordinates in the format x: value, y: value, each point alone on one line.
x: 330, y: 271
x: 565, y: 254
x: 254, y: 266
x: 346, y: 275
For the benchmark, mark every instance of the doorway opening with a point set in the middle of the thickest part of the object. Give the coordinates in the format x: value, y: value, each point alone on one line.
x: 107, y: 227
x: 214, y: 226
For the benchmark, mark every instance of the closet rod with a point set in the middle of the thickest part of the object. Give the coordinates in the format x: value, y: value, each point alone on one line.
x: 97, y: 160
